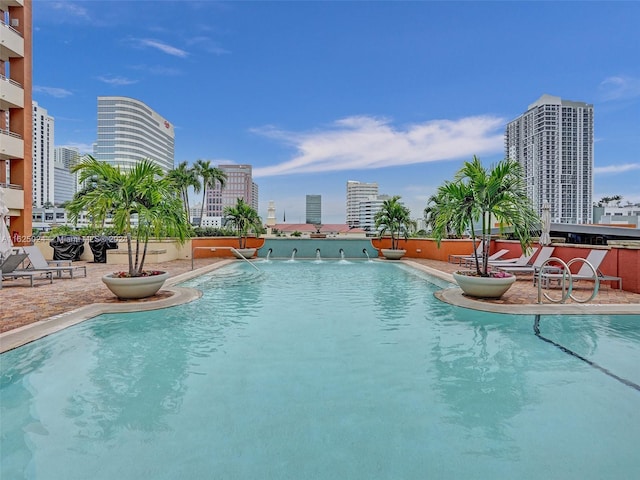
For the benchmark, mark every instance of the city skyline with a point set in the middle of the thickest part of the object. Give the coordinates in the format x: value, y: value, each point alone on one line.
x: 314, y: 94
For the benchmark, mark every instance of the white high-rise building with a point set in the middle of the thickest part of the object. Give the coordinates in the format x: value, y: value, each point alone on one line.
x: 43, y: 157
x: 66, y: 183
x: 368, y: 209
x: 358, y: 192
x: 553, y: 141
x: 129, y: 131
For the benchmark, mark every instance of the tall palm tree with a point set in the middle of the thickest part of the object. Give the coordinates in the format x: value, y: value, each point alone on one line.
x: 210, y: 176
x: 184, y: 177
x: 244, y: 219
x: 480, y: 195
x: 394, y: 218
x: 142, y: 194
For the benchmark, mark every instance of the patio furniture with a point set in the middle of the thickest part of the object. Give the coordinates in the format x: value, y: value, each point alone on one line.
x: 39, y: 263
x: 595, y: 258
x: 521, y: 261
x: 542, y: 257
x: 10, y: 269
x: 470, y: 261
x: 457, y: 258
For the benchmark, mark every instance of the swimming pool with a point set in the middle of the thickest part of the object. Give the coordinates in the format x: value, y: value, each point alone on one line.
x: 328, y: 369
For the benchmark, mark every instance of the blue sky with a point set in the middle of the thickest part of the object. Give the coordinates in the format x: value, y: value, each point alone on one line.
x: 313, y: 94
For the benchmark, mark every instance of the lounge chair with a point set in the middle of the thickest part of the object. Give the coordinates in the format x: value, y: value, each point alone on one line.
x: 39, y: 263
x: 542, y: 257
x: 595, y: 258
x: 470, y: 261
x: 10, y: 269
x: 459, y: 259
x: 521, y: 261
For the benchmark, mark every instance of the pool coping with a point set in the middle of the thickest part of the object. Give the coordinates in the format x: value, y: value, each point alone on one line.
x: 180, y: 295
x: 454, y: 296
x: 34, y: 331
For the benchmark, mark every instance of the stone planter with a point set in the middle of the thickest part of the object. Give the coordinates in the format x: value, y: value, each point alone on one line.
x: 483, y: 287
x: 392, y: 253
x: 243, y: 252
x: 135, y: 287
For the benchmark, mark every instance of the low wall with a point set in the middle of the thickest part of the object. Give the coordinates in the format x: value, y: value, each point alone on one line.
x: 621, y: 260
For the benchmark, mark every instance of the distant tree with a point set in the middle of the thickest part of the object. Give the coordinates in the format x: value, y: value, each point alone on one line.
x: 394, y: 218
x: 184, y: 177
x: 244, y: 219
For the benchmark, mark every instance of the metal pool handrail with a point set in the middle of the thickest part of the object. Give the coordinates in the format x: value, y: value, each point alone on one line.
x: 567, y: 292
x: 213, y: 249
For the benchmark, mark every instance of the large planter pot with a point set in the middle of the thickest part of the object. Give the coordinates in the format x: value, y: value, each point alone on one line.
x: 243, y: 252
x: 135, y: 287
x: 483, y: 287
x: 393, y: 253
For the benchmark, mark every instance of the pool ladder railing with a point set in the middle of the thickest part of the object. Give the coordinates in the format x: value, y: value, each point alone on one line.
x: 567, y: 290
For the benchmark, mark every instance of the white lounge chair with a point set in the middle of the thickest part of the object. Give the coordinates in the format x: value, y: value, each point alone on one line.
x: 10, y: 269
x: 470, y: 261
x: 595, y: 258
x: 39, y: 263
x: 522, y: 261
x: 460, y: 259
x: 542, y: 257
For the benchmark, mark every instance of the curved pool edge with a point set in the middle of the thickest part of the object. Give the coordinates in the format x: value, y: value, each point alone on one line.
x: 180, y: 295
x: 454, y: 296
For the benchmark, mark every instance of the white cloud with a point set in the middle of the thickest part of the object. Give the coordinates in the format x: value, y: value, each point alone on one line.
x: 361, y: 143
x: 115, y: 80
x: 70, y: 8
x: 620, y: 88
x: 613, y: 169
x: 163, y: 47
x: 208, y: 45
x: 52, y: 91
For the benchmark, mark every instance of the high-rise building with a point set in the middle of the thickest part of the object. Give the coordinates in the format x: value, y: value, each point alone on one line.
x: 43, y: 157
x: 16, y: 136
x: 129, y: 131
x: 65, y: 183
x: 368, y: 209
x: 356, y: 193
x: 314, y: 209
x: 239, y: 184
x: 553, y: 141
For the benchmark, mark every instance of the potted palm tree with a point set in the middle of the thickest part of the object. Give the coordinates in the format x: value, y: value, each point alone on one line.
x: 141, y: 202
x: 394, y: 218
x: 244, y: 219
x: 477, y: 195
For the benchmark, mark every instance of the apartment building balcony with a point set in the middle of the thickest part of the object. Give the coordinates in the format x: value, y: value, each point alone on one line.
x: 13, y: 197
x: 11, y: 94
x: 11, y: 42
x: 11, y: 145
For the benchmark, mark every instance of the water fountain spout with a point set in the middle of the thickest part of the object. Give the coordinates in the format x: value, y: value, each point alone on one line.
x: 318, y: 254
x: 293, y: 253
x: 341, y: 254
x: 364, y: 250
x: 269, y: 253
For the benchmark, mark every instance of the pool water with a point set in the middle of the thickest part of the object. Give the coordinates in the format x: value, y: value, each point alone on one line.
x: 323, y: 370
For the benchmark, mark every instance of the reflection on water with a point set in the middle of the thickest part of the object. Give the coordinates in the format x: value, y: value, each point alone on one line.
x: 317, y: 370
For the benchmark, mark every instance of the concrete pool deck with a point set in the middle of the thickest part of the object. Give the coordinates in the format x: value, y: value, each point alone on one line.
x: 29, y: 313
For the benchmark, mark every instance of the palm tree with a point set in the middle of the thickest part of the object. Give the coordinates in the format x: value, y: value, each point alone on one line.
x: 184, y: 177
x: 480, y: 195
x: 143, y: 192
x: 244, y: 219
x: 394, y: 218
x: 210, y: 176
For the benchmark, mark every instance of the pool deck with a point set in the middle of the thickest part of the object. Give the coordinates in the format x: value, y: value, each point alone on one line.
x: 29, y: 313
